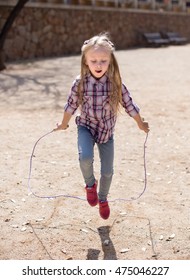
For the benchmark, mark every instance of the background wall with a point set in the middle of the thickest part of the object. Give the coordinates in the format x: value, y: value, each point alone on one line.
x: 41, y: 31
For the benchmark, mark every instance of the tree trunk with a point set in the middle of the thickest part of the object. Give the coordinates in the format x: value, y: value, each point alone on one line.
x: 7, y: 26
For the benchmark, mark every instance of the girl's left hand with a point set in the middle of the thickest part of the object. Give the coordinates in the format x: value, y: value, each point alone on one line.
x: 143, y: 125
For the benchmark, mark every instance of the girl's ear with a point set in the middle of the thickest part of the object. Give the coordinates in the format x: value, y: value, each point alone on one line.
x: 85, y: 62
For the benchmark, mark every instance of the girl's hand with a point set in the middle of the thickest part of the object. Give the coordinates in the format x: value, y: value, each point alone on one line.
x: 144, y: 126
x: 141, y: 123
x: 61, y: 126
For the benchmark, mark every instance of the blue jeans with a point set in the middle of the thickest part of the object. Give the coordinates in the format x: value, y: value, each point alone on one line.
x: 86, y: 144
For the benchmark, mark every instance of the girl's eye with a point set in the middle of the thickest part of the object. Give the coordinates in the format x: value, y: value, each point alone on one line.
x: 102, y: 61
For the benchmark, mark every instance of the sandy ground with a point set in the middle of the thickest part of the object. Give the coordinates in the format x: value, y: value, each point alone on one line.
x: 156, y: 226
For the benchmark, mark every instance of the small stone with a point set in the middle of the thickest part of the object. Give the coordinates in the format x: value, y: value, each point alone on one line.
x: 106, y: 242
x: 88, y: 221
x: 63, y: 251
x: 84, y: 230
x: 125, y: 250
x: 161, y: 237
x: 14, y: 226
x: 123, y: 213
x: 171, y: 237
x: 39, y: 220
x: 25, y: 223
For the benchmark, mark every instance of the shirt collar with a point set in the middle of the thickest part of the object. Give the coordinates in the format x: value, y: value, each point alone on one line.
x: 93, y: 80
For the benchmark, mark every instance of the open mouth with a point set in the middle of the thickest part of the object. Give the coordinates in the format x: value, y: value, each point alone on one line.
x: 98, y: 71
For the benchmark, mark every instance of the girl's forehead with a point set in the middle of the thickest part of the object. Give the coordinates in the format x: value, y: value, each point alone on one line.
x: 98, y: 51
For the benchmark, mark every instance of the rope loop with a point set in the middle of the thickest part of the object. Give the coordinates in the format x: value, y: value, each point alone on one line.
x: 30, y: 191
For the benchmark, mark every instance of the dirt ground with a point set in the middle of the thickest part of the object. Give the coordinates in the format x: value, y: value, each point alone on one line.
x: 155, y: 226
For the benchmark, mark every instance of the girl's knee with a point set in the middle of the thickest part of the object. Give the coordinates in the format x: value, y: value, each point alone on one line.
x: 107, y: 175
x: 85, y: 160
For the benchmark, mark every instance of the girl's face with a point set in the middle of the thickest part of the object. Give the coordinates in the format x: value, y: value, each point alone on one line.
x: 98, y: 60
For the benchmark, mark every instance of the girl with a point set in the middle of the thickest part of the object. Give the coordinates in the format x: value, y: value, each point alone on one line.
x: 98, y: 92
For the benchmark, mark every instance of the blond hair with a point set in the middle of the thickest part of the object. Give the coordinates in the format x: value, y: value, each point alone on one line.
x: 113, y: 73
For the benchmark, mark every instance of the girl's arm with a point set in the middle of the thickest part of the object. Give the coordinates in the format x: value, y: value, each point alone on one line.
x: 65, y: 122
x: 141, y: 123
x: 132, y: 109
x: 70, y: 107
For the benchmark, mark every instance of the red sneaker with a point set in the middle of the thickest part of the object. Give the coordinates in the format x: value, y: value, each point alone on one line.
x: 91, y: 194
x: 104, y: 209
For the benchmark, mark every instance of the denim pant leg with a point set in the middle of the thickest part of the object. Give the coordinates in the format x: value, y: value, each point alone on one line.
x: 106, y: 152
x: 86, y: 154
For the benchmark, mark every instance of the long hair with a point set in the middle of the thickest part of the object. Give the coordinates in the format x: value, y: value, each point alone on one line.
x: 113, y: 73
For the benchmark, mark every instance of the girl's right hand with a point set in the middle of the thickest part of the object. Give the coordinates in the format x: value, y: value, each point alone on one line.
x: 61, y: 126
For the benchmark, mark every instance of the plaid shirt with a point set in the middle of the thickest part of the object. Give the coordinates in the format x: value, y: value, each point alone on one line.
x: 96, y: 112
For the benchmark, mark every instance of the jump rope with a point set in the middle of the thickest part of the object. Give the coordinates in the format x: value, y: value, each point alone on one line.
x: 30, y: 191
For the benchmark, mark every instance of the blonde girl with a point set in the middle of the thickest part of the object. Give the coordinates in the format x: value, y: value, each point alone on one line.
x: 98, y: 92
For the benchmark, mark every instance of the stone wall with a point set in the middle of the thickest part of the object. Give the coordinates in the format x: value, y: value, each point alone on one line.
x: 41, y: 31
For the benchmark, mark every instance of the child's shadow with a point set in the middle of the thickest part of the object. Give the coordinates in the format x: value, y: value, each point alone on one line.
x: 107, y: 246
